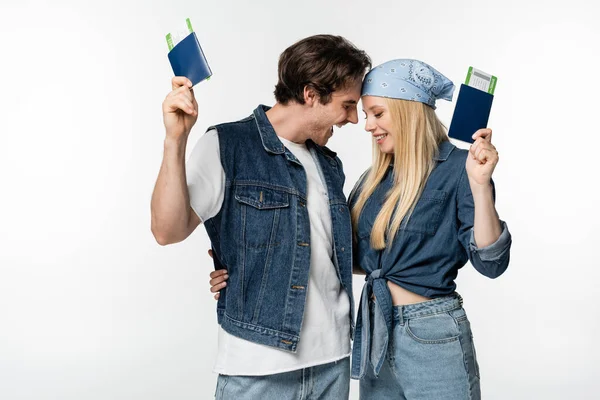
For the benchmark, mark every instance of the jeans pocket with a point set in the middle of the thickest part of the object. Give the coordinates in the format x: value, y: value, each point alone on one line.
x: 435, y: 329
x: 475, y: 363
x: 221, y: 383
x: 468, y: 346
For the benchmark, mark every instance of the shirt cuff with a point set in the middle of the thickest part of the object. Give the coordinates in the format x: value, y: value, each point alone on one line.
x: 494, y: 251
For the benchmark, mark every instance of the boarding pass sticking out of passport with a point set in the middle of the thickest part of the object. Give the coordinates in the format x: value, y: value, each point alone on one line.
x: 473, y: 105
x: 481, y: 80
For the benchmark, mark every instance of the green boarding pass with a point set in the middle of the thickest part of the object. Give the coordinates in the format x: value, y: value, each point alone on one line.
x: 170, y: 41
x: 481, y: 80
x: 173, y: 39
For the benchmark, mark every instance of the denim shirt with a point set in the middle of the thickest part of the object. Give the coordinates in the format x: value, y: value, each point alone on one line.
x: 262, y: 232
x: 426, y: 254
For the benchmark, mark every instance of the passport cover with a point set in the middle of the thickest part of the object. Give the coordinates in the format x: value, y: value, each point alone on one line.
x: 471, y: 113
x: 187, y: 59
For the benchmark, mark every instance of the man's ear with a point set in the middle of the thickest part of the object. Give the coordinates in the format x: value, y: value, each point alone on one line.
x: 311, y: 97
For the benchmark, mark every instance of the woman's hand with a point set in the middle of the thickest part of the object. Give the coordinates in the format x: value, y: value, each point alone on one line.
x: 482, y: 159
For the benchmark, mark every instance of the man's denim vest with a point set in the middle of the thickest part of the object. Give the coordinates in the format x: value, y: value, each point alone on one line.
x: 262, y: 232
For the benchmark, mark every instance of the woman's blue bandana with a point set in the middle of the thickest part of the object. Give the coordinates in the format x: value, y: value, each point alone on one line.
x: 408, y: 80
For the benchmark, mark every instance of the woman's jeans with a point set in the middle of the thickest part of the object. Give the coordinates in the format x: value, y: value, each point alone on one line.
x: 431, y: 355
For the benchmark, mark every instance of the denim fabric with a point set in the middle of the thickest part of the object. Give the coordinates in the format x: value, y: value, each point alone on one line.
x: 262, y: 232
x: 431, y: 355
x: 322, y: 382
x: 427, y: 252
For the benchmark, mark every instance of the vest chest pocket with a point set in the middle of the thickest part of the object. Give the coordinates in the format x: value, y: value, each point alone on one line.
x: 260, y: 214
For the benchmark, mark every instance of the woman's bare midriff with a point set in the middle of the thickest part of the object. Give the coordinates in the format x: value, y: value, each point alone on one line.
x: 402, y: 297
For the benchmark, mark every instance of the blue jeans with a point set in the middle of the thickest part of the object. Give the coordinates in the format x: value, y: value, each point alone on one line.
x: 431, y: 355
x: 322, y: 382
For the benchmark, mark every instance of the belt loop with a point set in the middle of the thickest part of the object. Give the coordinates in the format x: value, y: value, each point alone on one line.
x: 401, y: 314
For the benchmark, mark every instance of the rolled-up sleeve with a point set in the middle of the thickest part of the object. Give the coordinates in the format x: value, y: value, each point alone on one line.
x: 496, y: 250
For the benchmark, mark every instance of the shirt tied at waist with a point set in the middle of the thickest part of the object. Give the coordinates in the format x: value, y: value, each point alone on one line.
x: 375, y: 348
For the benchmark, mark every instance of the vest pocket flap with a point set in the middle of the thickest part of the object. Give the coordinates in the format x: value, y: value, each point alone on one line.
x: 261, y: 197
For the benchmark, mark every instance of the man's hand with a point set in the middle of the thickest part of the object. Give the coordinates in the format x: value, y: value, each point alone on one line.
x: 218, y: 279
x: 180, y: 109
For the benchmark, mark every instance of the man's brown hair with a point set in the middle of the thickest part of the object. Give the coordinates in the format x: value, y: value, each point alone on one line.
x: 325, y: 63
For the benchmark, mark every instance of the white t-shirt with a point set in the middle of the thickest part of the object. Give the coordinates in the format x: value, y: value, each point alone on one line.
x: 324, y: 336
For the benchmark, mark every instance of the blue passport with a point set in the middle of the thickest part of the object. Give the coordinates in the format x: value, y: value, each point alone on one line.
x: 471, y: 113
x: 187, y: 59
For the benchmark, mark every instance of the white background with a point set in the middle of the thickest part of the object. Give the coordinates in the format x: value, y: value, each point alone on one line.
x: 92, y: 308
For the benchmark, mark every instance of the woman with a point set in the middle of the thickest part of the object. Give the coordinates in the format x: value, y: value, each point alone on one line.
x: 421, y: 211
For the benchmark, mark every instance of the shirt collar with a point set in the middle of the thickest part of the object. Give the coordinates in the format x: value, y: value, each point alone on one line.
x: 444, y: 150
x: 269, y: 138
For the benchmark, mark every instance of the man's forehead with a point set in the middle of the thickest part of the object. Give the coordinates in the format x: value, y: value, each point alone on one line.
x: 349, y: 96
x: 350, y: 92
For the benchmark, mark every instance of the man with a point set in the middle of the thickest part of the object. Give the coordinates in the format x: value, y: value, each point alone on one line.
x: 270, y: 195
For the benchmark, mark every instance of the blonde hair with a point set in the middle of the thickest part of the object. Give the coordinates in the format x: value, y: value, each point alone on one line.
x: 417, y: 133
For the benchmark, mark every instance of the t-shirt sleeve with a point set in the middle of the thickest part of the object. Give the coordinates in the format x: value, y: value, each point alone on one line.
x: 206, y: 177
